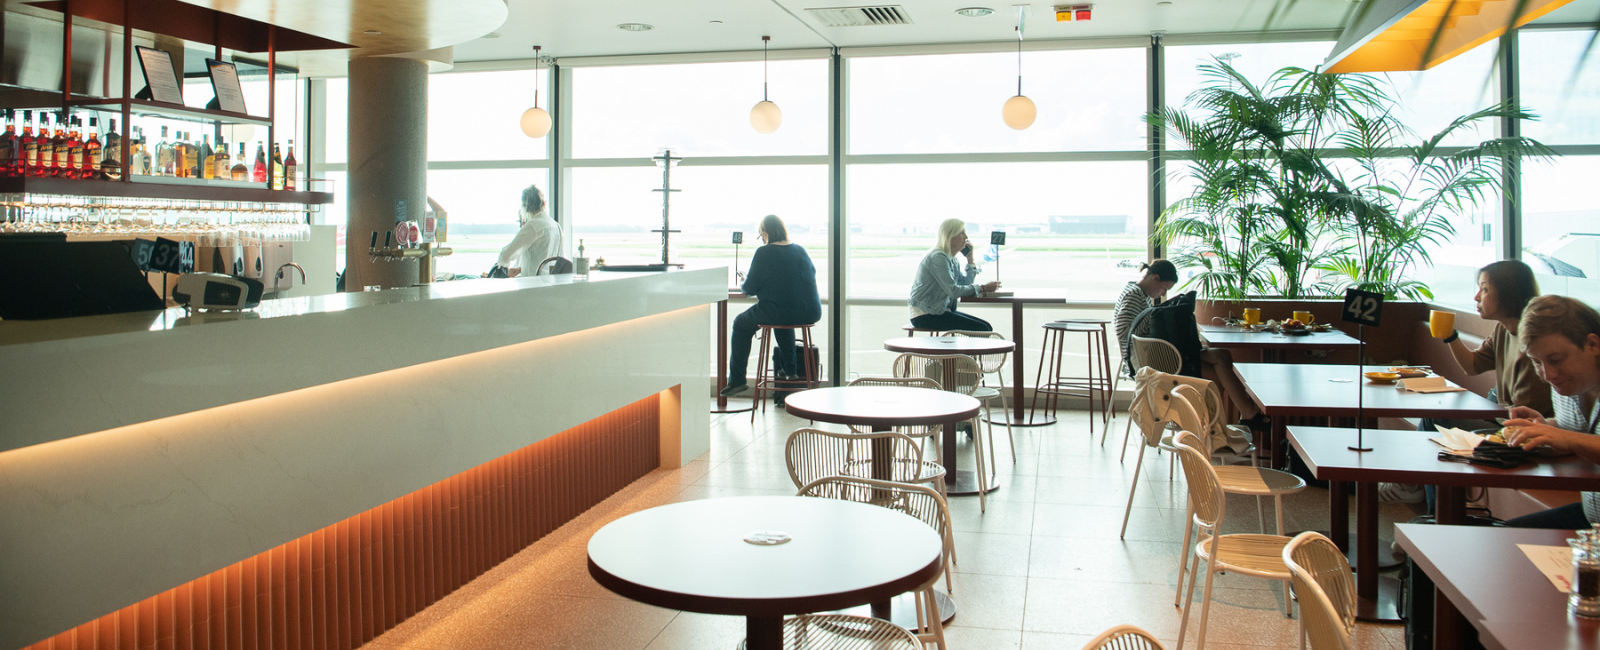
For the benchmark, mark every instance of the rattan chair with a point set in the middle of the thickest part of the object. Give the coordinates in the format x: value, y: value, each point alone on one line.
x: 1326, y: 589
x: 1124, y: 637
x: 967, y: 375
x: 921, y: 433
x: 993, y: 364
x: 1255, y: 481
x: 1179, y: 414
x: 845, y: 632
x: 915, y: 501
x: 812, y: 454
x: 1259, y: 556
x: 1147, y: 353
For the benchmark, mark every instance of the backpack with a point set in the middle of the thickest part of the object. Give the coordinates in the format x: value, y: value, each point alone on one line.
x: 1173, y: 321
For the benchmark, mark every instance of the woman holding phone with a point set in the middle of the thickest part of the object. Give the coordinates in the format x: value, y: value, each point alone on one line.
x: 941, y: 282
x: 1562, y: 337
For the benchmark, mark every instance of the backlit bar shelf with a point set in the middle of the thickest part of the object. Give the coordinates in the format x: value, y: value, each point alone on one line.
x: 144, y: 187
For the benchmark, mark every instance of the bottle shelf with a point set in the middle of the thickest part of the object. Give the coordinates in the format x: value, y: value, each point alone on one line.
x: 146, y: 108
x: 162, y: 187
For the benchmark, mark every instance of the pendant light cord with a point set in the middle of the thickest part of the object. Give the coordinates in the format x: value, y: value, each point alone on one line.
x: 764, y: 41
x: 1019, y: 59
x: 536, y: 62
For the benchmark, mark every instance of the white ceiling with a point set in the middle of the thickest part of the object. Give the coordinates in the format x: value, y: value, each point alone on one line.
x: 571, y: 28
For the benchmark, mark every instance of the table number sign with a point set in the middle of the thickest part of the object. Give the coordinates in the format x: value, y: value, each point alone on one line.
x: 1362, y: 307
x: 141, y: 251
x: 170, y: 256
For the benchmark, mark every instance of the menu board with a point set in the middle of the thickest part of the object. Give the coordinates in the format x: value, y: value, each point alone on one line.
x: 160, y: 78
x: 225, y: 81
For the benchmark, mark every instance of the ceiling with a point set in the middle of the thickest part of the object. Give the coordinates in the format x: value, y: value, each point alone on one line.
x: 574, y: 28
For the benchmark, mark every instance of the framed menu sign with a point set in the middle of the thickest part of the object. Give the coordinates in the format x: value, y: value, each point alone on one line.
x: 160, y: 78
x: 225, y: 81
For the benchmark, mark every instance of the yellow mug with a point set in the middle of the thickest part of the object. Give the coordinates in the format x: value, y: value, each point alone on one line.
x: 1441, y: 323
x: 1252, y: 315
x: 1304, y: 317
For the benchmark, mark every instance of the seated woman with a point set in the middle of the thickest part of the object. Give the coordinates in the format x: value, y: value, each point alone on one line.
x: 538, y: 238
x: 784, y: 282
x: 1215, y: 364
x: 1504, y: 288
x: 941, y: 282
x: 1562, y: 337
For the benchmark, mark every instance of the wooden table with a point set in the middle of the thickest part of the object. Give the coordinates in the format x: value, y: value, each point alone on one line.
x: 964, y: 483
x: 886, y: 407
x: 1017, y: 331
x: 1274, y: 347
x: 1409, y: 457
x: 692, y: 556
x: 723, y: 404
x: 1281, y: 390
x: 1481, y: 578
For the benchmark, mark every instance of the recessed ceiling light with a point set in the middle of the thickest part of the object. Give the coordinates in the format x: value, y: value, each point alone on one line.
x: 974, y: 12
x: 716, y: 22
x: 1163, y: 4
x: 635, y: 27
x: 372, y: 32
x: 492, y: 35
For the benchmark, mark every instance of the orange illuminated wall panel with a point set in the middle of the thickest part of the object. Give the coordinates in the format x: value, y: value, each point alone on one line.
x: 342, y: 585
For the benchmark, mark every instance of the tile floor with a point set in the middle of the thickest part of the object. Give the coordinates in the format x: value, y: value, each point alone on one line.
x: 1043, y: 568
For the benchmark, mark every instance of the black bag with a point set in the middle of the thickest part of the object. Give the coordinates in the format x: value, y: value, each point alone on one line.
x: 787, y: 388
x: 1173, y: 322
x: 498, y: 271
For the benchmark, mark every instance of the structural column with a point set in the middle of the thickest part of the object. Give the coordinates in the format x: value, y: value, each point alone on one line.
x: 388, y: 153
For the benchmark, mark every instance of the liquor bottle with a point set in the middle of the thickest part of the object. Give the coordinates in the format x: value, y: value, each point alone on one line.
x: 30, y: 147
x: 289, y: 167
x: 259, y: 173
x: 8, y: 147
x: 220, y: 163
x: 166, y: 156
x: 239, y: 172
x: 205, y: 159
x: 181, y: 158
x: 91, y: 150
x: 208, y: 158
x: 63, y: 148
x: 75, y: 149
x: 145, y: 161
x: 277, y: 167
x: 47, y: 148
x: 111, y: 160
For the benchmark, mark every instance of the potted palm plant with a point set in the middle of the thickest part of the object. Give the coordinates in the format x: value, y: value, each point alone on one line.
x: 1304, y: 185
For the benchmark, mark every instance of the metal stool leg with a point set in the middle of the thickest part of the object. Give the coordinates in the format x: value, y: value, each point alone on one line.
x: 761, y: 372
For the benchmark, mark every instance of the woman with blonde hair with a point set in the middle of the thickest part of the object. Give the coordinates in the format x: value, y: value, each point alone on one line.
x: 941, y: 282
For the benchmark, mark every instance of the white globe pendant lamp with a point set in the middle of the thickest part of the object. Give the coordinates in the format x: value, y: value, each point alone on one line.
x: 766, y: 117
x: 1019, y: 111
x: 535, y: 121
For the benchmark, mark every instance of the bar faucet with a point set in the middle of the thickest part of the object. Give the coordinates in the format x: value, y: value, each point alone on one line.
x: 279, y: 275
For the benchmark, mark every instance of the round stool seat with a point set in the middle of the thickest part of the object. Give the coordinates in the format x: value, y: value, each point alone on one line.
x: 1075, y: 326
x: 913, y: 329
x: 1091, y: 321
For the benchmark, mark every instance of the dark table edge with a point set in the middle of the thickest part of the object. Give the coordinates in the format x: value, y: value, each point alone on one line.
x: 1490, y: 477
x: 767, y: 606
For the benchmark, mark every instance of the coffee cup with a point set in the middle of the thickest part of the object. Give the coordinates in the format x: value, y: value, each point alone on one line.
x: 1441, y: 323
x: 1252, y: 315
x: 1304, y: 317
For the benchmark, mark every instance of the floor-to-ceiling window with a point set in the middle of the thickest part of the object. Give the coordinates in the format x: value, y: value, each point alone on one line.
x: 1560, y: 215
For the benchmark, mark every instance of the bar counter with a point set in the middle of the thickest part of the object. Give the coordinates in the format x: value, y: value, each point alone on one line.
x: 144, y: 451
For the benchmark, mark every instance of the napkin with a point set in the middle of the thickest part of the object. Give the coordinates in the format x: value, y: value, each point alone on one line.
x: 1555, y: 562
x: 1429, y: 385
x: 1457, y: 439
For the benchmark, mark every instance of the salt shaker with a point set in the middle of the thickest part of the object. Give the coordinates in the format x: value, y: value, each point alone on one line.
x: 1585, y: 597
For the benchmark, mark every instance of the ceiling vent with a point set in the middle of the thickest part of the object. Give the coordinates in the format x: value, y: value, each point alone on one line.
x: 861, y: 16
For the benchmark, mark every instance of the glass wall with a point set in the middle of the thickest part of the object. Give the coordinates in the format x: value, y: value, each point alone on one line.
x: 1560, y: 216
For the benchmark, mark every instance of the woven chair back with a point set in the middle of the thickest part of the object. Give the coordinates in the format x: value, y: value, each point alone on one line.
x: 1317, y: 613
x: 932, y: 366
x: 1320, y: 560
x: 918, y: 431
x: 1206, y: 499
x: 1155, y: 353
x: 847, y: 632
x: 813, y: 454
x: 1124, y: 637
x: 991, y: 363
x: 914, y: 500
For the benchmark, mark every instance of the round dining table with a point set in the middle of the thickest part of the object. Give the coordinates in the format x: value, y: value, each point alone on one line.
x: 957, y: 482
x: 882, y: 408
x: 716, y: 556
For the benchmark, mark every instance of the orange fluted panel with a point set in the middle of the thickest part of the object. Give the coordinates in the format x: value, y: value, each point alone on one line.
x: 341, y: 586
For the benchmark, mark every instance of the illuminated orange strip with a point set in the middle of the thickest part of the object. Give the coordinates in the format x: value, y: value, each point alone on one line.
x: 343, y: 585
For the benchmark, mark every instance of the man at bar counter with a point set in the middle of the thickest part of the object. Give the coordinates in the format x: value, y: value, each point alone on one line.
x: 1562, y: 337
x: 537, y: 239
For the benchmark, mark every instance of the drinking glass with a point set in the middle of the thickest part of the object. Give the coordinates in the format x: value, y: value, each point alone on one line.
x: 1441, y: 323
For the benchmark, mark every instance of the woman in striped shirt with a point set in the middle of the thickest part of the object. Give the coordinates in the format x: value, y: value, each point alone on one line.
x: 1562, y: 337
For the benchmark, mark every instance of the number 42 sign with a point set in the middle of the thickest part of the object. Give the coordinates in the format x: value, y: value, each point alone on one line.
x: 1362, y: 307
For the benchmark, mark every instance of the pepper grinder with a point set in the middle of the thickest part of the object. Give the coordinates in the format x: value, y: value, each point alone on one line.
x: 1585, y: 597
x: 580, y: 264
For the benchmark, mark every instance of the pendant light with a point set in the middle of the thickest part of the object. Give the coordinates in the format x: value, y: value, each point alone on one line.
x: 1019, y: 111
x: 535, y: 121
x: 766, y: 117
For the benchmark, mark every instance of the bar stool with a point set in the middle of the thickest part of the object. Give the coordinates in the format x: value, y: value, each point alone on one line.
x: 1097, y: 385
x: 1105, y: 354
x: 770, y: 382
x: 911, y: 330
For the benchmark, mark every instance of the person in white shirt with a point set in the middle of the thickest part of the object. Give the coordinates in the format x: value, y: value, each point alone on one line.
x: 538, y: 239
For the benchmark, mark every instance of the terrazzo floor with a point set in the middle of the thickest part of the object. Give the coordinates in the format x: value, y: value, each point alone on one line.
x: 1043, y: 568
